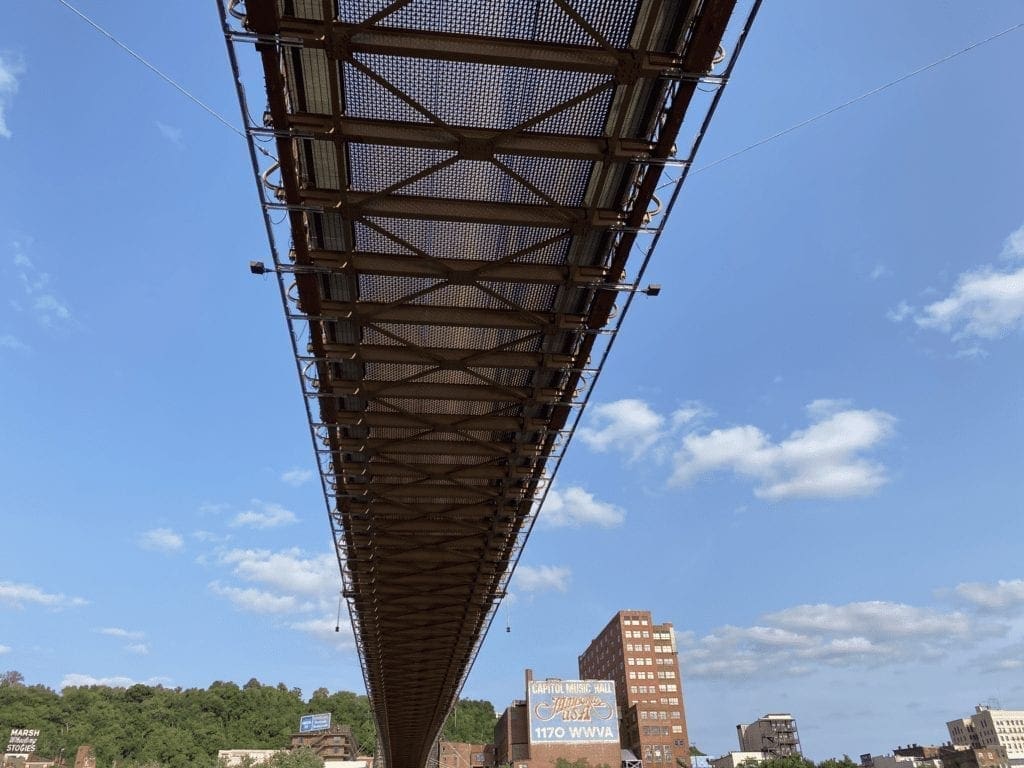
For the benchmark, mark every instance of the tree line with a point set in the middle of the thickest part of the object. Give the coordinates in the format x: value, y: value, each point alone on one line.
x: 147, y: 725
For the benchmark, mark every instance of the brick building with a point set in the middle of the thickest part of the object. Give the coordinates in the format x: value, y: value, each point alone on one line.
x: 641, y: 658
x: 520, y: 744
x: 456, y: 754
x: 335, y: 743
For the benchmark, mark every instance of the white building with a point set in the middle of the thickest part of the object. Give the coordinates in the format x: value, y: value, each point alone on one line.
x: 733, y: 759
x: 989, y: 727
x: 232, y: 757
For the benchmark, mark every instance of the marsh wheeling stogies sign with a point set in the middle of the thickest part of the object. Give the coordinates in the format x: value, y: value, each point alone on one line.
x: 572, y: 711
x: 21, y: 742
x: 313, y: 723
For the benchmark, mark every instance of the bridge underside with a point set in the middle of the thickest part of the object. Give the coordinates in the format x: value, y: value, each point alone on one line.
x: 464, y: 183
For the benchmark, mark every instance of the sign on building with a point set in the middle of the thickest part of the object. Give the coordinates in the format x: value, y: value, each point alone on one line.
x: 22, y: 742
x: 310, y: 723
x: 573, y: 711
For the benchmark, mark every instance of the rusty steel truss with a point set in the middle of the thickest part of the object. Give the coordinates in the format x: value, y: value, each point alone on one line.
x: 463, y: 185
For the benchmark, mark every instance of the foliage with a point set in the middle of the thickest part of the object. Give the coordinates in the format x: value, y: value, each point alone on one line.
x: 561, y: 762
x: 146, y: 725
x: 790, y: 761
x: 12, y: 678
x: 835, y: 762
x: 471, y: 722
x: 695, y: 751
x: 304, y: 757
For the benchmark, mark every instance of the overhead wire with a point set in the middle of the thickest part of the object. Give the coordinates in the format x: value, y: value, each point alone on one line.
x: 162, y: 75
x: 856, y: 99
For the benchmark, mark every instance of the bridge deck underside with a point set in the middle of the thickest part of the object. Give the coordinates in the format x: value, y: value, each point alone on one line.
x: 464, y: 183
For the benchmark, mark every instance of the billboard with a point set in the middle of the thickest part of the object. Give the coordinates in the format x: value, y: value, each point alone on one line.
x: 310, y: 723
x: 21, y: 742
x: 573, y: 711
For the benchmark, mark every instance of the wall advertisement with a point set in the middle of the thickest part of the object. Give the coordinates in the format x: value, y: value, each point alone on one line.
x: 573, y: 712
x: 22, y: 742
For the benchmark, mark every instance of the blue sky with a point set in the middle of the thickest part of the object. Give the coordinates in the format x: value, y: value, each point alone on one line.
x: 806, y: 453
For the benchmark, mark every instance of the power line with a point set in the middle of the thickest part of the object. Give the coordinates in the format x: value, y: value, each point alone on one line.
x: 872, y: 92
x: 159, y: 73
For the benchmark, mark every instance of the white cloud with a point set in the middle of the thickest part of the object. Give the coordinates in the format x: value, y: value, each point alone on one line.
x: 10, y: 71
x: 264, y: 515
x: 880, y: 271
x: 258, y: 600
x: 297, y: 476
x: 629, y: 425
x: 140, y: 649
x: 170, y: 132
x: 288, y: 571
x: 540, y: 578
x: 985, y: 303
x: 18, y: 595
x: 1013, y: 248
x: 162, y: 540
x: 9, y: 341
x: 78, y: 680
x: 900, y: 312
x: 324, y: 631
x: 1001, y: 596
x: 121, y: 632
x: 49, y: 309
x: 874, y: 619
x: 822, y: 461
x: 4, y: 649
x: 802, y: 639
x: 575, y: 507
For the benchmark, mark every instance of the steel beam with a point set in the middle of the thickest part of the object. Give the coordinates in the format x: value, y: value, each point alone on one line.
x: 471, y: 143
x: 431, y: 314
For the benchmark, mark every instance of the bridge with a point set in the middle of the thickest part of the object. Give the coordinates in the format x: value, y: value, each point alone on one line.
x: 470, y: 190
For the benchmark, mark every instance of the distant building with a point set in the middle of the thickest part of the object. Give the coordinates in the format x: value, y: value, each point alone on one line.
x: 454, y: 754
x: 772, y: 735
x: 959, y: 756
x: 904, y: 757
x: 334, y: 744
x: 232, y: 757
x: 989, y: 727
x: 733, y: 759
x: 641, y: 658
x: 561, y: 719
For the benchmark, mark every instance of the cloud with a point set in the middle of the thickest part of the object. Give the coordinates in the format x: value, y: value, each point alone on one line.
x: 10, y: 71
x: 78, y: 680
x: 170, y: 132
x: 264, y: 515
x: 259, y: 601
x: 880, y: 271
x: 541, y: 578
x: 4, y: 649
x: 575, y: 507
x: 806, y: 638
x: 822, y: 461
x: 140, y: 649
x: 985, y: 303
x: 629, y: 425
x: 324, y: 631
x: 288, y: 571
x: 8, y: 341
x: 162, y: 540
x: 38, y: 296
x: 900, y: 312
x: 18, y: 595
x: 122, y: 633
x: 999, y: 597
x: 297, y: 476
x: 875, y: 619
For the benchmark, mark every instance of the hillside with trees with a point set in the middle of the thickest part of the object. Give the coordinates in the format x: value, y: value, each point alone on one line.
x: 178, y: 728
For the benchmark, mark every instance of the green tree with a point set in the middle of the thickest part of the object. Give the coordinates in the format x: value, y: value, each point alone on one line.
x: 835, y: 762
x: 471, y: 722
x: 304, y: 757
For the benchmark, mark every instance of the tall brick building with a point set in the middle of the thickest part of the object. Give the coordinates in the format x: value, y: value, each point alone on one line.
x: 641, y: 657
